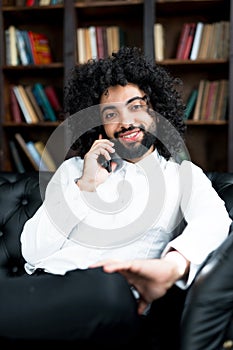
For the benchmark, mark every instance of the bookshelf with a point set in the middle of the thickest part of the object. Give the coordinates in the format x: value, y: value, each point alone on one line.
x: 209, y: 142
x: 62, y: 36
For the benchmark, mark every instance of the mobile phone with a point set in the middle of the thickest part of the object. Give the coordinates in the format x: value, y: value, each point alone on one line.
x: 107, y: 164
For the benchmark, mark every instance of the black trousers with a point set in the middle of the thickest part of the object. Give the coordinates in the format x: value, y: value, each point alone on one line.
x: 84, y: 307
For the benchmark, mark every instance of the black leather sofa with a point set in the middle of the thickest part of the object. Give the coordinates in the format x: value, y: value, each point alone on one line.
x: 22, y: 194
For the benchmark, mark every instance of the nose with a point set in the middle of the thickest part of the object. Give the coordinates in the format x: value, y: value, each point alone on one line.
x: 125, y: 118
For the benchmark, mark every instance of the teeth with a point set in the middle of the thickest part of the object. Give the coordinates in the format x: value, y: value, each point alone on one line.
x: 129, y: 136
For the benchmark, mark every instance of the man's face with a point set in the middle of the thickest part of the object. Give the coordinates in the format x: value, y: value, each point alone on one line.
x: 125, y: 117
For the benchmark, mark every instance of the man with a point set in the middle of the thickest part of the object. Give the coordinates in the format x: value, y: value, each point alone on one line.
x: 122, y: 200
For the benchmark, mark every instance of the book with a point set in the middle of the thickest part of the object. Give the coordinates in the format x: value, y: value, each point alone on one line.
x: 211, y: 99
x: 16, y: 157
x: 100, y: 42
x: 22, y: 105
x: 93, y: 43
x: 37, y: 109
x: 223, y: 93
x: 43, y: 102
x: 197, y: 109
x: 13, y: 46
x: 190, y: 104
x: 204, y: 100
x: 159, y: 41
x: 53, y: 99
x: 196, y: 41
x: 81, y: 45
x: 45, y: 155
x: 7, y: 46
x: 204, y: 45
x: 225, y: 47
x: 22, y: 143
x: 87, y: 39
x: 182, y: 40
x: 32, y: 114
x: 36, y: 156
x: 212, y: 44
x: 14, y: 107
x: 21, y: 47
x: 28, y: 49
x: 115, y: 31
x: 189, y: 41
x: 40, y: 48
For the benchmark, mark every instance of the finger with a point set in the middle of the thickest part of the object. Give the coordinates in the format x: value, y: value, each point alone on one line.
x: 113, y: 266
x: 101, y: 263
x: 100, y: 136
x: 142, y: 305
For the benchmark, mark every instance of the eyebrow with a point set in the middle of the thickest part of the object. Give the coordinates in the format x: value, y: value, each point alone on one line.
x: 144, y: 98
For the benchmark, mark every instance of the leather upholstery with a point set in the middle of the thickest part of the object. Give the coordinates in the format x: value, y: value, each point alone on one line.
x: 22, y: 194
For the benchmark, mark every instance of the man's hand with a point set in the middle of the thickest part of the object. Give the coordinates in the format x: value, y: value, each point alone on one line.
x: 150, y: 277
x: 93, y: 173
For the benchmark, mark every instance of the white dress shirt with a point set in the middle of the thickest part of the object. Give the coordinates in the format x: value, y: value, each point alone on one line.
x: 133, y: 214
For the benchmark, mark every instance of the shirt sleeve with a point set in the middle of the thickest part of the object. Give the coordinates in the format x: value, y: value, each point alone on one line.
x: 63, y: 208
x: 207, y: 219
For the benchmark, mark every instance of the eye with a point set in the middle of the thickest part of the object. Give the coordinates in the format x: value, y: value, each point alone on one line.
x: 107, y: 115
x: 137, y: 107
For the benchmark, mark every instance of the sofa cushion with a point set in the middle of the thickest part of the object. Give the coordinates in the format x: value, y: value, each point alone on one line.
x: 20, y: 197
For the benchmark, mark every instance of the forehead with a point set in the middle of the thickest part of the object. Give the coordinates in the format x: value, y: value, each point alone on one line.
x: 120, y: 93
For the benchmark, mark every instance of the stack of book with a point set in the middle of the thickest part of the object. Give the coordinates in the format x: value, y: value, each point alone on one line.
x: 209, y: 101
x: 98, y: 42
x: 26, y: 47
x: 34, y: 103
x: 204, y: 41
x: 35, y: 153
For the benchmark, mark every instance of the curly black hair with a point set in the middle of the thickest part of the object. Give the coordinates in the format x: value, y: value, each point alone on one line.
x: 87, y: 82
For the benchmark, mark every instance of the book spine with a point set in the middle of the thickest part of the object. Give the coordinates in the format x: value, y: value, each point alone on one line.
x: 29, y: 107
x: 43, y: 101
x: 36, y: 107
x: 28, y: 48
x: 21, y: 48
x: 196, y: 41
x: 7, y: 45
x: 14, y: 106
x: 182, y: 40
x: 190, y: 104
x: 189, y: 41
x: 81, y: 45
x: 24, y: 148
x: 159, y: 41
x: 22, y: 105
x: 93, y: 43
x: 53, y: 99
x: 13, y: 46
x: 100, y: 43
x: 45, y: 155
x: 36, y: 156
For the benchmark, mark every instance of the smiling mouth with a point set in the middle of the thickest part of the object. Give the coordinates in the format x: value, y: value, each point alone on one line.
x: 131, y: 136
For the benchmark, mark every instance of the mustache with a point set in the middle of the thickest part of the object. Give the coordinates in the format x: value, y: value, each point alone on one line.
x: 130, y: 128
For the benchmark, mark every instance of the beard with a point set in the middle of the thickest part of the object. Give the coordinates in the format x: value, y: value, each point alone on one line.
x: 135, y: 150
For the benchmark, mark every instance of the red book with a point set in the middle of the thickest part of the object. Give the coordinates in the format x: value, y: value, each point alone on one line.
x: 189, y: 41
x: 15, y: 108
x: 53, y: 99
x: 30, y: 3
x: 182, y: 40
x: 100, y: 42
x: 40, y: 48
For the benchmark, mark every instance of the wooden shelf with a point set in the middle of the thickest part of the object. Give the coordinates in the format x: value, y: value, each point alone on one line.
x: 203, y: 137
x: 137, y: 18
